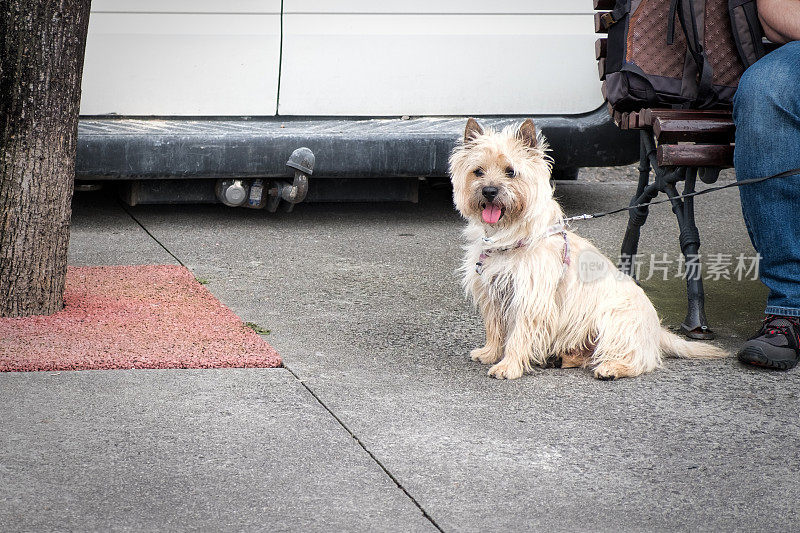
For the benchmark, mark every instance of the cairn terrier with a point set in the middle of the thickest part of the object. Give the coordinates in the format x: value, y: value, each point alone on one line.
x: 523, y: 270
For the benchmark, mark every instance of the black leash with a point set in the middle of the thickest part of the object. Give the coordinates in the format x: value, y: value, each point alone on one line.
x: 687, y: 195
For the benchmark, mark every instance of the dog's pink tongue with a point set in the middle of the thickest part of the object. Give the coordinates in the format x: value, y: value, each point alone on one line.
x: 491, y: 213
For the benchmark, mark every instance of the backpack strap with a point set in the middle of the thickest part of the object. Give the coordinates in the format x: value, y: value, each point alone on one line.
x: 703, y: 91
x: 673, y: 7
x: 747, y: 30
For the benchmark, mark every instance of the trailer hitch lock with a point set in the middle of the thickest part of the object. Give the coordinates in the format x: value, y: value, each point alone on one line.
x: 302, y: 161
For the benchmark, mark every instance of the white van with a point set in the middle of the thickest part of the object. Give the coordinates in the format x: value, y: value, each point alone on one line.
x: 199, y: 89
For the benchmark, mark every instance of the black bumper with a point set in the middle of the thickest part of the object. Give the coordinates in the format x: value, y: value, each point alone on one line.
x: 126, y: 148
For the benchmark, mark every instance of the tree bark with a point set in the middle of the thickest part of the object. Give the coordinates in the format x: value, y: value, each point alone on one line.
x: 42, y: 44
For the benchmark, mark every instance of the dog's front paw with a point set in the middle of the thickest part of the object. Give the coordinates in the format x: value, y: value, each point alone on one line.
x: 486, y: 355
x: 504, y: 370
x: 611, y: 371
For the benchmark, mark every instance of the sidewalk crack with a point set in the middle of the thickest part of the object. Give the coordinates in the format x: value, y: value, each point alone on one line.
x: 364, y: 447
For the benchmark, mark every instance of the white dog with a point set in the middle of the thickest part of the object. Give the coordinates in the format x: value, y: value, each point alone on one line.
x: 521, y: 268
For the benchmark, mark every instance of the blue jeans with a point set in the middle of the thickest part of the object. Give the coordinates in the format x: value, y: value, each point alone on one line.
x: 766, y: 110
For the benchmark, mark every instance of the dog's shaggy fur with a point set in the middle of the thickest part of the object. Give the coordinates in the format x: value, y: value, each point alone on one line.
x: 535, y: 305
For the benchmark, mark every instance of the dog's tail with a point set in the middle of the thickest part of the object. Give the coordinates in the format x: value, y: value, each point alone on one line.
x: 674, y: 346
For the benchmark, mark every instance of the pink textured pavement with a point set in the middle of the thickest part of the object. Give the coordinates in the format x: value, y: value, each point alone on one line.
x: 153, y: 316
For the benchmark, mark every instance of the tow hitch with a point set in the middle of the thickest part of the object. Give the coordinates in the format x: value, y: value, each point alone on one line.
x: 302, y: 161
x: 260, y: 194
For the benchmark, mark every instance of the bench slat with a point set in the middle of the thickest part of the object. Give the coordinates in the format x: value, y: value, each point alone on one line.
x: 600, y: 48
x: 702, y: 130
x: 649, y: 115
x: 617, y: 116
x: 599, y: 26
x: 695, y: 155
x: 601, y: 68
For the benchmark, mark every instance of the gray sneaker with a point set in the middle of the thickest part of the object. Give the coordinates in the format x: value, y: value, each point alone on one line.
x: 776, y: 345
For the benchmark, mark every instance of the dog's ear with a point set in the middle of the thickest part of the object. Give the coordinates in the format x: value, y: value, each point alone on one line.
x: 473, y: 130
x: 527, y: 133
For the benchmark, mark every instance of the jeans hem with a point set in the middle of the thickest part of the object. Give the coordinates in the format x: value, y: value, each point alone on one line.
x: 783, y: 311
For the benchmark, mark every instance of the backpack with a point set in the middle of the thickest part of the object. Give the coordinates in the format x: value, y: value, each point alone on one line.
x: 679, y: 53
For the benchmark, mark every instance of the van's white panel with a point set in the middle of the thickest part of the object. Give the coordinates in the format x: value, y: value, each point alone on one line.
x: 186, y: 6
x: 182, y: 57
x: 438, y: 57
x: 437, y: 6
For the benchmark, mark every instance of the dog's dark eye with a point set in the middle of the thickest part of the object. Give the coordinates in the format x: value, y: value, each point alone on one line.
x: 509, y: 172
x: 478, y: 172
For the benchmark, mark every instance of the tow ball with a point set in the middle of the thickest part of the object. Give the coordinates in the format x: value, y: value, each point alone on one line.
x: 302, y: 162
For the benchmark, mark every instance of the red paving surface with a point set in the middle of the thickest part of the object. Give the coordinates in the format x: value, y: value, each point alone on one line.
x: 154, y: 316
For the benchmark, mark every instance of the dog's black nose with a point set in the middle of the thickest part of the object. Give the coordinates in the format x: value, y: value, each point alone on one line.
x: 489, y: 193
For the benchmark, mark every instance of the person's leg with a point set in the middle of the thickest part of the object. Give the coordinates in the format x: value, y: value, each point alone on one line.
x: 767, y: 116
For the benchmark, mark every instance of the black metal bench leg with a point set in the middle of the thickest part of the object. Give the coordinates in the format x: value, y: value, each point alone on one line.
x: 695, y: 325
x: 637, y: 217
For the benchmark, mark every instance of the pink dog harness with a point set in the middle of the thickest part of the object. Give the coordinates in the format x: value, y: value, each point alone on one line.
x: 552, y: 230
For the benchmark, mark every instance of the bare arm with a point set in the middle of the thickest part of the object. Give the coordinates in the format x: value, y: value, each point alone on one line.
x: 780, y: 19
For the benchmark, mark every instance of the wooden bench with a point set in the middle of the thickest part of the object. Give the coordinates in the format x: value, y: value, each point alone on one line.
x: 676, y: 145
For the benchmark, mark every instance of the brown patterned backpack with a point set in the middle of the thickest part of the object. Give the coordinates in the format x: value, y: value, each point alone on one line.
x: 679, y: 53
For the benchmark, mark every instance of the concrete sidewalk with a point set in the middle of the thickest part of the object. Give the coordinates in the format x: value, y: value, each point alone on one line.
x: 380, y: 421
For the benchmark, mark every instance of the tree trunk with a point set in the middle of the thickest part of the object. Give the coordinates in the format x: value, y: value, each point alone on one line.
x: 41, y: 63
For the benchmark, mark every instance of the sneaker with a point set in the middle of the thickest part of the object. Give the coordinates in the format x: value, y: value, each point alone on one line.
x: 776, y: 345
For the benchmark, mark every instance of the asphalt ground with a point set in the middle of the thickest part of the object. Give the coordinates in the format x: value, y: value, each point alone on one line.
x: 379, y: 420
